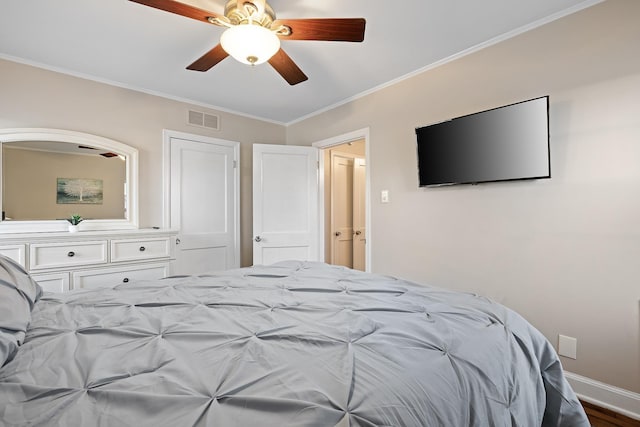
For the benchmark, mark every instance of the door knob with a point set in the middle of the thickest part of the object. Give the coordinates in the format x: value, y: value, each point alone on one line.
x: 177, y: 241
x: 338, y: 233
x: 357, y: 233
x: 258, y: 239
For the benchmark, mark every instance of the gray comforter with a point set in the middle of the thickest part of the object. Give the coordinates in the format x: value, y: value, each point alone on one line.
x: 294, y: 344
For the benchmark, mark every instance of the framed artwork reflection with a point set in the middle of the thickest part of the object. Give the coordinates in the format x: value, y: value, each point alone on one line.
x: 79, y: 191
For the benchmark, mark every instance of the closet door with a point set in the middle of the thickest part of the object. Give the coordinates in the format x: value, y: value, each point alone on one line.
x: 348, y: 210
x: 359, y: 214
x: 204, y: 203
x: 342, y: 209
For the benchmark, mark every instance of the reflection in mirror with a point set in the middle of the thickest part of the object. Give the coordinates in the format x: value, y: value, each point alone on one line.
x: 47, y: 175
x: 53, y: 180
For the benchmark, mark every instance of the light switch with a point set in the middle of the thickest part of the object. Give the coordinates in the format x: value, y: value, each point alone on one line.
x: 384, y: 196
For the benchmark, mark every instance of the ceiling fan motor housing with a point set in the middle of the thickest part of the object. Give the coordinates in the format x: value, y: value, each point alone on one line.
x: 249, y: 13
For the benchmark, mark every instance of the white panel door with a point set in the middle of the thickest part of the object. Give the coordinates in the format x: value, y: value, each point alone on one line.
x: 203, y: 205
x: 285, y: 203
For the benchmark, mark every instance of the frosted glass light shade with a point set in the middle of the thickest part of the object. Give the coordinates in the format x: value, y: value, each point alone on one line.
x: 250, y: 44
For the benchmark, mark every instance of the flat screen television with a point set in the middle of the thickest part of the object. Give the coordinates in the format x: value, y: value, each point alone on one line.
x: 502, y: 144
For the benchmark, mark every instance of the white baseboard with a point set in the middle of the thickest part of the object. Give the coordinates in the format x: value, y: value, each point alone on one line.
x: 606, y: 396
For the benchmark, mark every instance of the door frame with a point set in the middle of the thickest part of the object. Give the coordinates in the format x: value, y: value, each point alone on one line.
x: 167, y: 135
x: 339, y: 140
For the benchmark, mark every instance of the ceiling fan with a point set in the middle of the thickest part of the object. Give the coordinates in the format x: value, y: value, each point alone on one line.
x: 253, y: 33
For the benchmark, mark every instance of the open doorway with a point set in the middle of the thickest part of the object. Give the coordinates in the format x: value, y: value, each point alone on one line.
x: 326, y: 235
x: 345, y: 204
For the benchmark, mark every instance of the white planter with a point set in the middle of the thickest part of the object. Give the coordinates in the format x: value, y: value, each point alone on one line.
x: 73, y: 228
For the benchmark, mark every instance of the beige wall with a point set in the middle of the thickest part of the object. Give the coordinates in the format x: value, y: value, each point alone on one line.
x: 30, y: 184
x: 562, y: 252
x: 33, y: 97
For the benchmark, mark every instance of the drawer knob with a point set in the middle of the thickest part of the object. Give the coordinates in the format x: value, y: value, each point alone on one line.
x: 142, y: 248
x: 125, y: 280
x: 71, y: 254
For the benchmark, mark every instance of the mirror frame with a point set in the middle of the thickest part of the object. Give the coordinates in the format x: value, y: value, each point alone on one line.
x: 73, y: 137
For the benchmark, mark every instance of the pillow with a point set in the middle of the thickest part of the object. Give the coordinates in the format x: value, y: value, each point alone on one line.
x: 18, y: 294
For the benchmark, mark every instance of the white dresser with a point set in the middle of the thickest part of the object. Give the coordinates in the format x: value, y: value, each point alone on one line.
x: 90, y: 259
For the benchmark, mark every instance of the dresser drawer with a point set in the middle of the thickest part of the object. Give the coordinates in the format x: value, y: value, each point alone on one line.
x: 53, y: 282
x: 15, y: 252
x: 68, y: 254
x: 140, y: 249
x: 109, y: 277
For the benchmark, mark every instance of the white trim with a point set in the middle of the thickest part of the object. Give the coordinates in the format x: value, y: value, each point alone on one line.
x: 604, y: 395
x: 331, y: 142
x: 502, y: 37
x: 61, y: 135
x: 167, y: 135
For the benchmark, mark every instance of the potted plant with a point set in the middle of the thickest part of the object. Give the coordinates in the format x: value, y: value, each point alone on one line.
x: 74, y: 222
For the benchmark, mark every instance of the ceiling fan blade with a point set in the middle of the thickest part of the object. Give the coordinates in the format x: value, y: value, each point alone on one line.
x: 209, y: 59
x: 180, y: 8
x: 333, y: 29
x: 288, y: 69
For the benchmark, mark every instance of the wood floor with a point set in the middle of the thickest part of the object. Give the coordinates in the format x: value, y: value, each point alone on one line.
x: 601, y: 417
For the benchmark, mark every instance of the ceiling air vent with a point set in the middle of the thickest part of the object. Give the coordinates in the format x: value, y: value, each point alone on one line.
x: 203, y: 120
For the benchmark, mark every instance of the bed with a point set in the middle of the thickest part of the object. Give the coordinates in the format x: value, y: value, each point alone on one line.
x: 291, y: 344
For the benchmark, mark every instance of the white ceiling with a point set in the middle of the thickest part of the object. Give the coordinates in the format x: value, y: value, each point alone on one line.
x: 138, y: 47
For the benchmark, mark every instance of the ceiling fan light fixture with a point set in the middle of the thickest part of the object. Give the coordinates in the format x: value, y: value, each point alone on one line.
x: 250, y: 44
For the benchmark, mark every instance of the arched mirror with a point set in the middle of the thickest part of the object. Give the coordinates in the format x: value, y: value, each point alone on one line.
x: 47, y: 175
